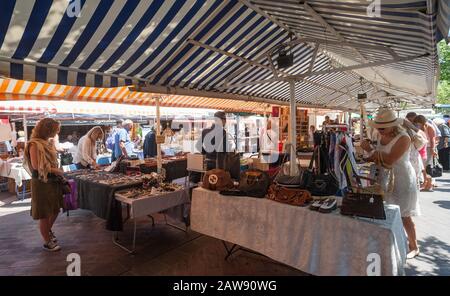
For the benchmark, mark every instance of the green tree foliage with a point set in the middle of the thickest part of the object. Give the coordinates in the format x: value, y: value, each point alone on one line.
x: 443, y: 96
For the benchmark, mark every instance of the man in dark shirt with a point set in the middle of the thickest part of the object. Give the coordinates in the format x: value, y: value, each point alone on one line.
x: 213, y: 142
x: 150, y: 147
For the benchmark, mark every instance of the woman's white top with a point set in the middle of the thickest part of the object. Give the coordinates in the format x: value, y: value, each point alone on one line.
x: 86, y: 152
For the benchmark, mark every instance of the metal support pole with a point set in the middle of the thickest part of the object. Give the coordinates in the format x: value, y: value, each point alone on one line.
x: 25, y: 128
x: 292, y: 128
x: 237, y: 133
x: 158, y: 132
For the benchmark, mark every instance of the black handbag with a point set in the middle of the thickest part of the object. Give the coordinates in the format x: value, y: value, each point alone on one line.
x: 232, y: 164
x: 319, y: 183
x: 283, y: 178
x: 66, y: 158
x: 254, y: 183
x: 435, y: 170
x: 363, y: 204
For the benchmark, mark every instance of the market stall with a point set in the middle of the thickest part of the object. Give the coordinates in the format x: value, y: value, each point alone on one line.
x: 200, y: 55
x: 316, y: 243
x: 13, y: 169
x: 171, y: 200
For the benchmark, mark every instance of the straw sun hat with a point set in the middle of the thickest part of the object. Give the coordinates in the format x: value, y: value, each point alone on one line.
x: 386, y: 118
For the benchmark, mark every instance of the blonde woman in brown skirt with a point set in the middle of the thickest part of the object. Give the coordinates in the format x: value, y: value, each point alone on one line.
x: 46, y: 192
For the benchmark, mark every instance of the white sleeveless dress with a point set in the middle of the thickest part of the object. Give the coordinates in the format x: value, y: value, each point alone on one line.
x: 405, y: 190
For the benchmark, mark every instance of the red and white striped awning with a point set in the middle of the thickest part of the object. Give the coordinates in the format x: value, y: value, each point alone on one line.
x: 12, y: 90
x: 26, y: 109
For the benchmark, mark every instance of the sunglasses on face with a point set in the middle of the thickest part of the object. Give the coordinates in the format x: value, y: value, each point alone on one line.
x: 381, y: 129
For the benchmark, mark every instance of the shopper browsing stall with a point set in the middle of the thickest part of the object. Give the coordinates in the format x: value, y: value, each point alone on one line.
x: 122, y: 141
x: 86, y: 155
x: 397, y: 174
x: 46, y: 190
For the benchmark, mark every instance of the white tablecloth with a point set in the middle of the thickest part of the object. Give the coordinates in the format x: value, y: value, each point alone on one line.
x: 316, y: 243
x: 14, y: 171
x: 154, y: 204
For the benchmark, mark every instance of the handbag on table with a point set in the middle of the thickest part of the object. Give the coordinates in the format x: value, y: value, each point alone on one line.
x: 364, y: 201
x: 291, y: 196
x: 286, y: 178
x: 217, y: 179
x: 254, y: 183
x: 316, y: 182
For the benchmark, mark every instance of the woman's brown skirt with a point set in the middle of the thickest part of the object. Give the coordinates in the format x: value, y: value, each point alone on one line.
x: 46, y: 199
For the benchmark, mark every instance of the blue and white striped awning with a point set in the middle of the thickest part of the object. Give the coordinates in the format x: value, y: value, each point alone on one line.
x: 124, y: 42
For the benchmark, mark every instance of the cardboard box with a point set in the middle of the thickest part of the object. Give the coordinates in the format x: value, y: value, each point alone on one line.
x: 195, y: 162
x: 260, y: 165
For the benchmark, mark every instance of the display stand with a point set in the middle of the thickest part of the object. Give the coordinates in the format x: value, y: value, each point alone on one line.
x: 146, y: 207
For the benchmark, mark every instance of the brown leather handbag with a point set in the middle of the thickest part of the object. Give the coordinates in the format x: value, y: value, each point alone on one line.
x: 291, y: 196
x: 217, y: 179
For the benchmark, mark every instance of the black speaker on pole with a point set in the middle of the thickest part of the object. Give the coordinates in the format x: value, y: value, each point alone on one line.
x: 285, y: 60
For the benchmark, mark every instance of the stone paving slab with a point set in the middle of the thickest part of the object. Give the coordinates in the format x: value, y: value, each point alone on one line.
x: 163, y: 250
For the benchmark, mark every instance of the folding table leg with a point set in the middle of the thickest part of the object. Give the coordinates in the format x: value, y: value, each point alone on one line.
x: 116, y: 240
x: 174, y: 226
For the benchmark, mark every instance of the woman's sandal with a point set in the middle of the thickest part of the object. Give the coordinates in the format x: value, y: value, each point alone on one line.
x: 413, y: 254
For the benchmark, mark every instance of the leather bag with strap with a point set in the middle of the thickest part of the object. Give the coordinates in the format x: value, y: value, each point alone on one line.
x: 287, y: 179
x: 364, y: 201
x: 434, y: 170
x: 319, y: 184
x: 290, y: 196
x: 254, y: 183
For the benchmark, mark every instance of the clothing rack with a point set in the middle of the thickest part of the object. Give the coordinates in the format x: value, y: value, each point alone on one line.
x: 336, y: 127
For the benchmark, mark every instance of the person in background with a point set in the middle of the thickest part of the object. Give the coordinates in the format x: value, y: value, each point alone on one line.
x: 422, y: 123
x: 150, y: 147
x: 55, y: 141
x: 46, y: 192
x: 213, y: 142
x: 86, y: 155
x: 443, y: 144
x: 392, y: 157
x: 447, y: 119
x: 122, y: 141
x: 69, y: 139
x: 21, y: 135
x: 418, y: 156
x: 312, y: 130
x: 111, y: 138
x: 269, y: 139
x: 411, y: 116
x: 327, y: 121
x: 75, y: 138
x: 21, y: 143
x: 13, y: 136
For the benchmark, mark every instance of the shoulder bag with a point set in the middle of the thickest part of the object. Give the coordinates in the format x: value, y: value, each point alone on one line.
x: 319, y: 184
x: 290, y: 196
x: 283, y: 177
x: 254, y: 183
x: 435, y: 169
x: 364, y: 201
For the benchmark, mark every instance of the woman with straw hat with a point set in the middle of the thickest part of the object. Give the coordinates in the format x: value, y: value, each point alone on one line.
x: 397, y: 174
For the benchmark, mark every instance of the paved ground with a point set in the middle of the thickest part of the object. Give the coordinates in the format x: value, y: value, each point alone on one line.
x: 164, y: 250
